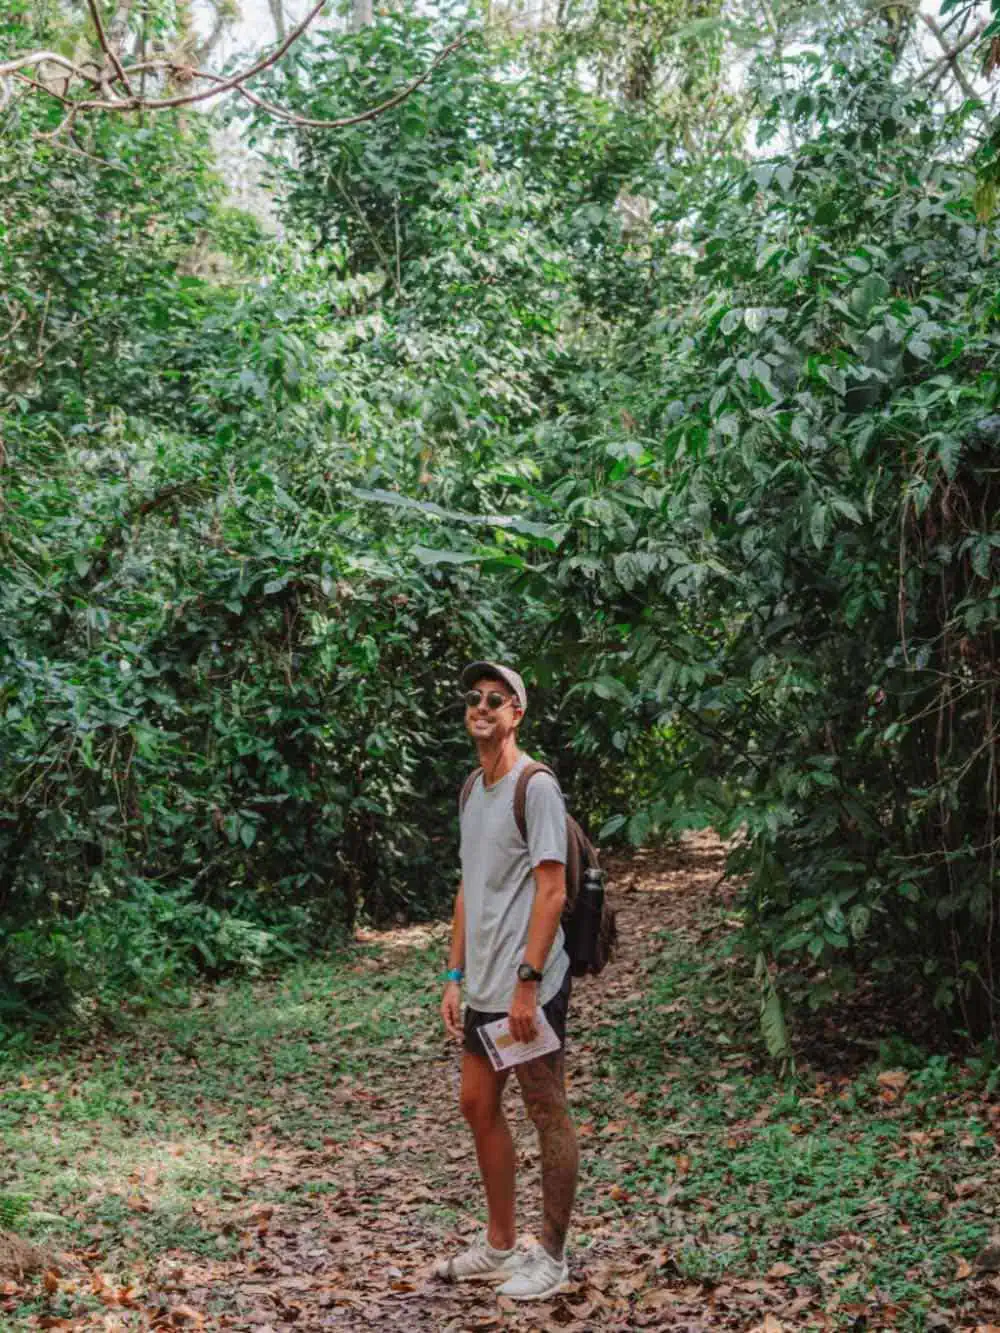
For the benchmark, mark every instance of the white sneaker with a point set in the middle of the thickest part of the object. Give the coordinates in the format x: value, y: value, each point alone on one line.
x: 536, y: 1277
x: 479, y: 1263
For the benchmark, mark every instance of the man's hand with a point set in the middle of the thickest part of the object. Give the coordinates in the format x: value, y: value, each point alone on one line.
x: 522, y: 1011
x: 451, y: 1010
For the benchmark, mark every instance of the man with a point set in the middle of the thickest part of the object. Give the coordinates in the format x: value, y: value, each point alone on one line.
x: 507, y: 942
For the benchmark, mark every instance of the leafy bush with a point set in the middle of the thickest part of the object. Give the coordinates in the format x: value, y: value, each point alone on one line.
x: 800, y: 538
x: 13, y: 1209
x: 703, y: 439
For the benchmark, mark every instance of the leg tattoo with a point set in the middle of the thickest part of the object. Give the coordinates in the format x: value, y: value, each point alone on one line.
x: 544, y: 1090
x: 482, y: 1092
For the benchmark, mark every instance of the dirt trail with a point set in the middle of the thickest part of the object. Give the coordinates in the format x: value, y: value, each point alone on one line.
x: 290, y: 1156
x: 359, y: 1254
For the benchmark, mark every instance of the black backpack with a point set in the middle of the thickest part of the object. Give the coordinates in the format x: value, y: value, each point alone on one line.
x: 588, y: 920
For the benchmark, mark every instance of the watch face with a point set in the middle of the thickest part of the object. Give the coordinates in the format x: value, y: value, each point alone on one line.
x: 527, y: 973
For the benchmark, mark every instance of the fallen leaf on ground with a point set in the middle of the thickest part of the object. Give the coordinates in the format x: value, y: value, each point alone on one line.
x: 896, y: 1079
x: 781, y: 1270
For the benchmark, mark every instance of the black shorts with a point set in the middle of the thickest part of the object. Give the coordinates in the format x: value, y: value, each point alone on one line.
x: 555, y: 1011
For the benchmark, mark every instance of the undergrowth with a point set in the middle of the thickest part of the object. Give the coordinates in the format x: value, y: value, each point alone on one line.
x: 863, y: 1195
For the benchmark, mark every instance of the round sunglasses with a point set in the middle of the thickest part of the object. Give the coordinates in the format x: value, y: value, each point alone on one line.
x: 494, y: 699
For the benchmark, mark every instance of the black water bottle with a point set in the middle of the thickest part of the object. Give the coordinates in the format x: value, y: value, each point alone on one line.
x: 588, y: 920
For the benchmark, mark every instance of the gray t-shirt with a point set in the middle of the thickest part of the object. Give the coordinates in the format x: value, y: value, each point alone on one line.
x: 499, y: 887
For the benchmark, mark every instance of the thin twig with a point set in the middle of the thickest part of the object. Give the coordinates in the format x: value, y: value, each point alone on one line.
x: 779, y: 60
x: 106, y: 46
x: 74, y: 147
x: 307, y: 122
x: 41, y: 87
x: 65, y: 124
x: 399, y: 271
x: 951, y: 53
x: 368, y: 227
x: 219, y: 84
x: 17, y: 63
x: 187, y: 99
x: 21, y: 317
x: 39, y: 350
x: 133, y: 103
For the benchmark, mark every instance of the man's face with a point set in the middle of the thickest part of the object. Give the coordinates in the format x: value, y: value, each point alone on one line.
x: 495, y: 715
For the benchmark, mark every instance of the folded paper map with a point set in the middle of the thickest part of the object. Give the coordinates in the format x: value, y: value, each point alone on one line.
x: 504, y: 1052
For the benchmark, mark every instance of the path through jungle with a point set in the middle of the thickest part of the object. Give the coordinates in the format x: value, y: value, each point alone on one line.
x: 298, y: 1163
x: 360, y: 1259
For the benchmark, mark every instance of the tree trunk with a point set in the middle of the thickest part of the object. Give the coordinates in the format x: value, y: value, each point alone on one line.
x: 362, y: 14
x: 277, y: 9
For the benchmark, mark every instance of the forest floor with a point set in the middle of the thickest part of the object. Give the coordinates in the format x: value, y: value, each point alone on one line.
x: 288, y: 1155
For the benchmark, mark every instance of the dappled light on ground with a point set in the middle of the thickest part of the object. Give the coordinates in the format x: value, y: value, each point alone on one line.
x: 290, y: 1156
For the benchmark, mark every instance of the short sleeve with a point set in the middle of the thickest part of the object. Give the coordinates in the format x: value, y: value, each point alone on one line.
x: 545, y: 815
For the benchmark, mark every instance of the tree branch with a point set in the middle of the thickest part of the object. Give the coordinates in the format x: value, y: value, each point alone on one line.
x: 218, y: 84
x: 307, y: 122
x: 65, y: 124
x: 951, y: 53
x: 132, y: 102
x: 17, y: 63
x: 206, y: 48
x: 225, y: 85
x: 106, y: 46
x: 40, y: 87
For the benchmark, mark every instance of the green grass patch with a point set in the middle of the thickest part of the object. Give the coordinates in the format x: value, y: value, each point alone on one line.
x: 867, y: 1189
x: 861, y: 1192
x: 140, y: 1144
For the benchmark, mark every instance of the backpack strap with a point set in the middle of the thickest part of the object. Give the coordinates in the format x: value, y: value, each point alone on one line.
x: 521, y: 794
x: 466, y: 791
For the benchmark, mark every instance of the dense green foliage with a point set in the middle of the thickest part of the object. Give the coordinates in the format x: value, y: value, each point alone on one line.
x: 704, y: 438
x: 816, y: 487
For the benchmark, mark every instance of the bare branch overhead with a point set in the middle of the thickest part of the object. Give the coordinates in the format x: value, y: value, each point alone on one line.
x: 107, y: 47
x: 115, y: 75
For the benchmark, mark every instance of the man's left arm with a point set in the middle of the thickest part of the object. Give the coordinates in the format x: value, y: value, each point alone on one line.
x: 546, y: 912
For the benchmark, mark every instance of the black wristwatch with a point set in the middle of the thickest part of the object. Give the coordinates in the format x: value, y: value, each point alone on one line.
x: 526, y: 972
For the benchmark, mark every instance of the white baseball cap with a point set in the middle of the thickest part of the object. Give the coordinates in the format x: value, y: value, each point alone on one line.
x: 495, y: 671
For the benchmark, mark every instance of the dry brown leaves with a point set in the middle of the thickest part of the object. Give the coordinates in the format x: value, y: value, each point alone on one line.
x: 20, y: 1259
x: 358, y: 1252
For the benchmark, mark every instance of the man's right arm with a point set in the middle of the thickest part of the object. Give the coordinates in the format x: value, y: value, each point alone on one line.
x: 451, y: 1003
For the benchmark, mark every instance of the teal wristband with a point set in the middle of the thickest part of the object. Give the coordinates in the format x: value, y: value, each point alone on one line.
x: 454, y: 974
